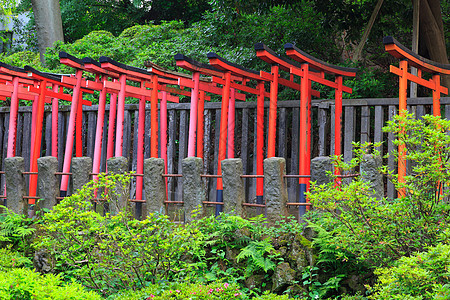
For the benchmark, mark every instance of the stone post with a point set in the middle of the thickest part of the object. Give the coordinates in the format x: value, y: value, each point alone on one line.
x: 81, y: 168
x: 275, y: 189
x: 233, y: 185
x: 48, y: 184
x: 319, y: 167
x: 15, y: 185
x: 369, y: 169
x: 118, y: 165
x: 155, y: 185
x: 193, y: 189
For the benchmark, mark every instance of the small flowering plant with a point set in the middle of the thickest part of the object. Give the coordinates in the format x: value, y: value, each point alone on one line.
x: 199, y: 292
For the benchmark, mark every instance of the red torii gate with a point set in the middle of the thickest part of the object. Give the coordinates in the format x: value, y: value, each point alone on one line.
x: 225, y: 78
x: 409, y: 58
x: 308, y: 64
x: 246, y: 75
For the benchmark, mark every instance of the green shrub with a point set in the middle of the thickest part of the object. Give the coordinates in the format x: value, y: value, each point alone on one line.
x: 11, y: 259
x: 382, y: 230
x: 181, y: 291
x: 26, y: 284
x: 16, y: 230
x: 111, y: 253
x: 425, y: 275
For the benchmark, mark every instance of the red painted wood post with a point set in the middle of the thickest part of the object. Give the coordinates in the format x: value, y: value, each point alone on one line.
x: 338, y: 123
x: 111, y: 125
x: 154, y: 118
x: 193, y: 114
x: 71, y: 133
x: 231, y: 123
x: 271, y: 138
x: 36, y: 147
x: 437, y: 95
x: 200, y: 124
x: 79, y: 128
x: 223, y: 138
x: 403, y: 90
x: 99, y: 130
x: 55, y: 111
x: 12, y: 133
x: 140, y: 147
x: 120, y: 115
x: 260, y: 143
x: 305, y: 99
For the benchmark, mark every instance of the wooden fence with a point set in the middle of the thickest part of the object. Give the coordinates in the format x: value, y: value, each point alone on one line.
x: 362, y: 121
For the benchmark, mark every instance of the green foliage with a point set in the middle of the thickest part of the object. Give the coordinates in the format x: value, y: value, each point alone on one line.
x: 11, y: 259
x: 383, y: 230
x: 216, y: 290
x: 254, y: 252
x: 423, y: 275
x: 26, y: 284
x: 112, y: 252
x: 15, y: 230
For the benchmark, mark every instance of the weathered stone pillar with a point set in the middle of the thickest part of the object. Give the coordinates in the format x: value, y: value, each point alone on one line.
x: 320, y: 166
x: 118, y: 165
x: 275, y: 189
x: 15, y: 185
x: 370, y: 171
x: 193, y: 190
x: 233, y: 185
x: 81, y: 168
x: 48, y: 186
x: 155, y: 185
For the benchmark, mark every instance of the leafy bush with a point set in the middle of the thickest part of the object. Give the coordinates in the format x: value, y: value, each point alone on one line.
x: 383, y: 230
x: 26, y: 284
x: 112, y: 252
x: 216, y: 290
x: 15, y: 230
x: 423, y: 275
x: 11, y: 259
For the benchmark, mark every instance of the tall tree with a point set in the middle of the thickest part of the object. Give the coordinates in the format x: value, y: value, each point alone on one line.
x: 47, y: 15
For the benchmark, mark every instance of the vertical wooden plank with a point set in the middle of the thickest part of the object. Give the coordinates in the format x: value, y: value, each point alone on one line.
x: 26, y: 140
x: 84, y: 133
x: 244, y: 141
x: 19, y: 135
x: 349, y: 132
x: 333, y: 116
x: 391, y: 193
x: 365, y: 124
x: 48, y: 134
x: 447, y: 112
x: 62, y: 127
x: 182, y: 147
x: 294, y: 162
x: 378, y: 130
x: 91, y: 131
x: 104, y: 143
x: 134, y: 151
x: 4, y: 128
x: 282, y: 133
x: 213, y: 181
x: 322, y: 120
x: 171, y: 153
x: 126, y: 135
x: 207, y: 147
x: 147, y: 134
x: 420, y: 111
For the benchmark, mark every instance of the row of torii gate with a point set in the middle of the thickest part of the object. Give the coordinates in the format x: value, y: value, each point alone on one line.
x: 219, y: 77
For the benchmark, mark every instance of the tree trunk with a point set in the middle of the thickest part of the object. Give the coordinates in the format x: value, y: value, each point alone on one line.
x: 432, y: 34
x: 47, y: 15
x: 365, y: 36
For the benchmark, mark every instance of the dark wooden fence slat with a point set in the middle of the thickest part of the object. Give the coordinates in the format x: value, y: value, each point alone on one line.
x: 365, y: 124
x: 379, y: 123
x: 19, y: 134
x: 332, y: 138
x: 293, y: 164
x: 322, y: 120
x: 48, y: 133
x: 171, y: 153
x: 349, y: 132
x: 390, y: 186
x: 281, y: 133
x: 91, y: 132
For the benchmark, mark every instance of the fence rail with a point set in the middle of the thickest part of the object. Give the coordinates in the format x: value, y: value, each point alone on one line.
x: 363, y: 120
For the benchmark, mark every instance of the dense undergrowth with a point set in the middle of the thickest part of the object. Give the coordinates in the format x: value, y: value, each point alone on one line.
x: 361, y: 247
